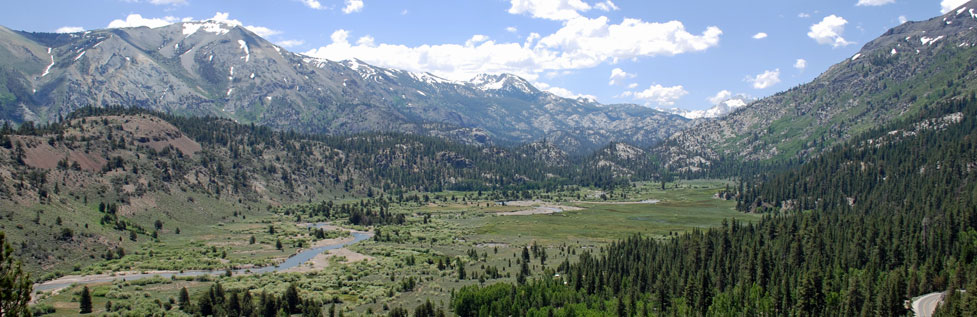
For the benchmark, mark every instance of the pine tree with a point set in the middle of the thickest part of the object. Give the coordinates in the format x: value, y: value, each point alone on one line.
x: 15, y: 284
x: 184, y: 300
x: 85, y: 303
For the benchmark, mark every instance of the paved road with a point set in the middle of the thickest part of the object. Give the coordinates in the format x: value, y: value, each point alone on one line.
x: 925, y: 305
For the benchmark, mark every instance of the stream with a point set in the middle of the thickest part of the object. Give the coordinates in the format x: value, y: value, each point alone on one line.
x: 293, y: 261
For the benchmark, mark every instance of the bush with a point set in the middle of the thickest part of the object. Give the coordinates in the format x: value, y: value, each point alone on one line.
x: 42, y: 309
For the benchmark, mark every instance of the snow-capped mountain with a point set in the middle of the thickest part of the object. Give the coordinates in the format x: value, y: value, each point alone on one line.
x: 219, y: 69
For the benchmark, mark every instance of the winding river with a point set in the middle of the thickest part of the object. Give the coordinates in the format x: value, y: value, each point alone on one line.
x: 293, y: 261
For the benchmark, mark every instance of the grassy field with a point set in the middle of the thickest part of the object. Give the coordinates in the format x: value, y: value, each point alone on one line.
x: 417, y: 261
x: 690, y: 206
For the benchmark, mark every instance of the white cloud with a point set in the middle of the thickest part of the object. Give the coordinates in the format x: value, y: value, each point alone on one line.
x: 162, y: 2
x: 760, y: 36
x: 313, y: 4
x: 353, y: 6
x: 617, y: 75
x: 720, y: 96
x: 950, y: 5
x: 873, y: 3
x: 476, y: 39
x: 136, y: 20
x: 659, y: 95
x: 766, y: 79
x: 368, y: 41
x: 290, y: 43
x: 829, y: 31
x: 511, y: 29
x: 262, y: 31
x: 633, y: 86
x: 800, y: 64
x: 606, y: 6
x: 903, y: 19
x: 803, y: 15
x: 580, y: 43
x: 562, y: 92
x: 69, y: 29
x: 549, y: 9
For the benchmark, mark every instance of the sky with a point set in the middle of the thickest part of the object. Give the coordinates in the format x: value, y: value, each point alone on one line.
x: 663, y: 54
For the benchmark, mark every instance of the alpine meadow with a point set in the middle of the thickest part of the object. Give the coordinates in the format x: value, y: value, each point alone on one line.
x: 474, y: 158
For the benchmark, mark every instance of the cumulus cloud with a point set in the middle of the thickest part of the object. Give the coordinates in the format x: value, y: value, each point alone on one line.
x: 606, y: 6
x: 829, y: 31
x: 800, y: 64
x: 511, y: 29
x: 659, y: 95
x: 633, y: 86
x: 617, y: 75
x: 950, y: 5
x: 136, y: 20
x: 290, y: 43
x: 476, y: 39
x: 353, y: 6
x: 562, y: 92
x: 803, y: 15
x: 873, y: 3
x: 580, y: 43
x: 760, y: 36
x: 161, y: 2
x: 903, y: 19
x: 720, y: 96
x: 262, y: 31
x: 69, y: 29
x: 313, y: 4
x: 550, y: 9
x: 766, y: 79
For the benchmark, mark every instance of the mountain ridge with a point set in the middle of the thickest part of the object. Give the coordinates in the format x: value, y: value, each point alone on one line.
x: 208, y: 68
x: 889, y: 78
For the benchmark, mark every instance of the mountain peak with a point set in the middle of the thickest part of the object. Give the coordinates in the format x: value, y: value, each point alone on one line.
x: 502, y: 81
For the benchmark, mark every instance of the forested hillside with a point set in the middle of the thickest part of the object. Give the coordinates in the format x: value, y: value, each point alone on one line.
x: 913, y: 65
x: 858, y: 231
x: 100, y: 178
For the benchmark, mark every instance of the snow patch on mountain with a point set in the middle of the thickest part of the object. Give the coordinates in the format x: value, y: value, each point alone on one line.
x: 190, y: 28
x: 498, y: 82
x: 430, y: 79
x: 247, y: 52
x: 48, y: 69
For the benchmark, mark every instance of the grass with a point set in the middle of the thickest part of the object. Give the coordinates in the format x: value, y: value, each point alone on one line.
x: 680, y: 210
x: 455, y: 229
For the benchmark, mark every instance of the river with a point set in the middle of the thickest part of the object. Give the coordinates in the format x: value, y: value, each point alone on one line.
x: 293, y: 261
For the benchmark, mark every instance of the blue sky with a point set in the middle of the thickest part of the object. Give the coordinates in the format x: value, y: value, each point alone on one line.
x: 685, y: 54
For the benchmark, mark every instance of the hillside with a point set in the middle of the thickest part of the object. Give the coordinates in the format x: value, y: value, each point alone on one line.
x: 211, y: 68
x: 860, y: 230
x: 58, y: 181
x: 910, y: 66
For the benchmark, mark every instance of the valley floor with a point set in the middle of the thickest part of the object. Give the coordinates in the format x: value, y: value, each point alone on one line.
x: 453, y: 240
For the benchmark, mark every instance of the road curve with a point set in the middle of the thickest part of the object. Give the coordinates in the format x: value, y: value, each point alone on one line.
x: 925, y: 305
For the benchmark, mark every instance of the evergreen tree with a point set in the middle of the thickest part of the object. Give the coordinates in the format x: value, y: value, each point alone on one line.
x: 15, y: 284
x: 85, y: 303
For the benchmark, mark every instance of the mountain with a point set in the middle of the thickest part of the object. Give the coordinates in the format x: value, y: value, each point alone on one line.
x: 910, y: 66
x: 719, y: 110
x: 211, y: 68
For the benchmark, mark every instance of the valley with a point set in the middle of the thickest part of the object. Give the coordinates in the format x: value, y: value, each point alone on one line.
x: 182, y: 167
